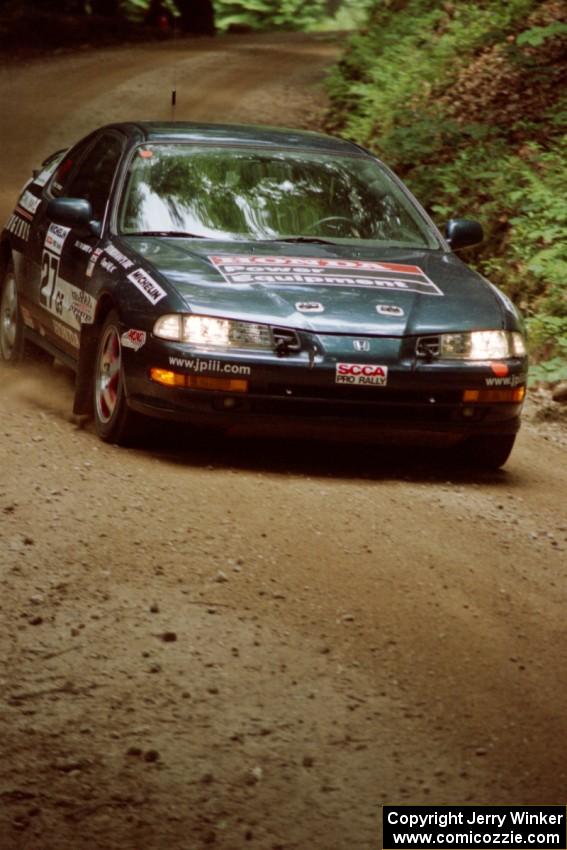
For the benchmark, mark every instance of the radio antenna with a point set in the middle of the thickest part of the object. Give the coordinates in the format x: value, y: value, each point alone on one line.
x: 174, y: 81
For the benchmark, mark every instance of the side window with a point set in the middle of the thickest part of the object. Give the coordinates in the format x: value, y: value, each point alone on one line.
x: 60, y: 180
x: 94, y: 177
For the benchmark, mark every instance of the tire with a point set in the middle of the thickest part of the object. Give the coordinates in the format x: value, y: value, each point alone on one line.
x: 487, y: 452
x: 11, y: 325
x: 114, y: 421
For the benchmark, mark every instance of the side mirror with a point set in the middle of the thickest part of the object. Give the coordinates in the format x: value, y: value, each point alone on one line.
x: 463, y: 233
x: 73, y: 212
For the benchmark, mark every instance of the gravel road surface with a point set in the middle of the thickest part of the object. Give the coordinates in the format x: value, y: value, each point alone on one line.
x: 254, y: 643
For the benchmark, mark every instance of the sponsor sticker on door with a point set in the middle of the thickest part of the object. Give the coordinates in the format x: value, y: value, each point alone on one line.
x: 361, y: 374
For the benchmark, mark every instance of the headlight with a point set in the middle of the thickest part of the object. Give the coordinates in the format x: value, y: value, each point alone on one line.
x: 209, y: 332
x: 169, y: 327
x: 482, y: 345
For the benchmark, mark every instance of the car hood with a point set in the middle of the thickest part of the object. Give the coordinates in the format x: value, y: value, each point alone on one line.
x: 324, y: 288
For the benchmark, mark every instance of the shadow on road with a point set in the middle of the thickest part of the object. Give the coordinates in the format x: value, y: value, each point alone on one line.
x: 322, y: 458
x: 50, y: 389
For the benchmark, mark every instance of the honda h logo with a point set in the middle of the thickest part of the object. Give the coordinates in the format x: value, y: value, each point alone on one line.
x: 361, y: 345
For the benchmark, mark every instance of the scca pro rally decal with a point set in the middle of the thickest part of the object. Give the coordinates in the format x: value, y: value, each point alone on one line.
x: 301, y: 271
x: 362, y: 374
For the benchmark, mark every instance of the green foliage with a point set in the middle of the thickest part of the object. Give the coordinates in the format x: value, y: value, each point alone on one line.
x: 350, y: 15
x: 463, y: 100
x: 269, y: 15
x: 552, y: 369
x: 535, y: 36
x: 252, y: 14
x: 262, y: 14
x: 229, y: 14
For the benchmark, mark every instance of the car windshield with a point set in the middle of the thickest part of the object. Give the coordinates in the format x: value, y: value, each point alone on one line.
x: 251, y: 194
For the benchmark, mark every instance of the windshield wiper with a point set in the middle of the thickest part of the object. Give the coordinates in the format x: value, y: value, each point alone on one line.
x: 181, y: 233
x: 314, y: 239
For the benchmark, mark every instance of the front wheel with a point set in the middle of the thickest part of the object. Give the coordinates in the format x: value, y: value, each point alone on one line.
x: 487, y: 451
x: 11, y: 326
x: 114, y: 421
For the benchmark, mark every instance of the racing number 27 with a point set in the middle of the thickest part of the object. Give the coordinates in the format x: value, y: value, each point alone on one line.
x: 49, y: 274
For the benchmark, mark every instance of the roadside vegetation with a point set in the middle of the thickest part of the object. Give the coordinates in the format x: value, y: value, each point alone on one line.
x: 51, y: 24
x: 290, y: 14
x: 468, y: 103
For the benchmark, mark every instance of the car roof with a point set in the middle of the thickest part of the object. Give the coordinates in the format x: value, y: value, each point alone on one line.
x: 237, y: 134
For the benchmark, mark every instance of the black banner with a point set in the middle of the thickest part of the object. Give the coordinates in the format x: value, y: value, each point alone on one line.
x: 481, y: 827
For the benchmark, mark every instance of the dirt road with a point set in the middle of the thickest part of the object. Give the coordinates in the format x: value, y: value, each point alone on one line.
x: 251, y: 643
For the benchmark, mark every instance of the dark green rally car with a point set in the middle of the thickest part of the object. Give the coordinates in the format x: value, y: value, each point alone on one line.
x: 229, y: 275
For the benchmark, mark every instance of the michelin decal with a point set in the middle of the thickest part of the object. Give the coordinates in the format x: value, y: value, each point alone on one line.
x: 149, y: 288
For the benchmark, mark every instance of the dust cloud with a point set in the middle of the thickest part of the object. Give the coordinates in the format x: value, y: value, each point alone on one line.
x: 46, y: 386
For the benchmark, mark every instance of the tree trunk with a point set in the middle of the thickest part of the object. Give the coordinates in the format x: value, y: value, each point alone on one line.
x: 197, y: 16
x: 333, y: 7
x: 108, y: 8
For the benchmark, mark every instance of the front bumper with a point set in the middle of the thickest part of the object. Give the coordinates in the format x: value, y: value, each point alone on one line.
x: 300, y: 393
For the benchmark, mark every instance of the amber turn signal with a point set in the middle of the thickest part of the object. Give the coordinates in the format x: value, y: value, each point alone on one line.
x: 198, y: 382
x: 512, y: 396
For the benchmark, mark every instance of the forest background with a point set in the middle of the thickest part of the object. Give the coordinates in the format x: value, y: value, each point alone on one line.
x: 466, y: 101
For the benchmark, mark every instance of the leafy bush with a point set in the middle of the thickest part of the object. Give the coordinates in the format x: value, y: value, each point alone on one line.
x: 267, y: 14
x: 350, y: 15
x: 466, y: 102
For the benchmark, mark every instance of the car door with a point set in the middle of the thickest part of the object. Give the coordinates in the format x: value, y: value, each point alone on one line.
x: 66, y: 255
